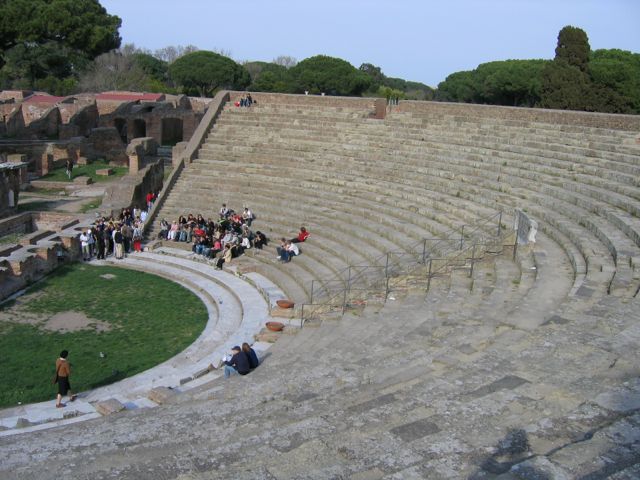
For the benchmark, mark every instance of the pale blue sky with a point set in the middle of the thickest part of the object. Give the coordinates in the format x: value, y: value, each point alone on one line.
x: 416, y: 40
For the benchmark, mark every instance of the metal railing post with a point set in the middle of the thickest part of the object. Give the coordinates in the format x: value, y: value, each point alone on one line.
x: 346, y: 290
x: 461, y: 237
x: 386, y: 266
x: 311, y: 299
x: 429, y: 274
x: 515, y: 247
x: 386, y: 290
x: 473, y: 258
x: 424, y: 251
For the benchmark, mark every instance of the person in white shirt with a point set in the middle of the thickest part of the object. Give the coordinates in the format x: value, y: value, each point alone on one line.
x: 289, y: 250
x: 84, y: 243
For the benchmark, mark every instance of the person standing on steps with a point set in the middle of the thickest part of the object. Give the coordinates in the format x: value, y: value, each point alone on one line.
x: 63, y: 371
x: 69, y: 167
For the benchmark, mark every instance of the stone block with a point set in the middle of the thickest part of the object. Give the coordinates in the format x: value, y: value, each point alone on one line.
x: 105, y: 172
x: 82, y: 161
x: 278, y: 312
x: 108, y: 407
x: 82, y: 180
x: 203, y: 372
x: 161, y: 395
x: 415, y: 430
x: 267, y: 336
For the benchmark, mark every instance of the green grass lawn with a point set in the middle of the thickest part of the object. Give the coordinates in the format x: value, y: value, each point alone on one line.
x: 151, y: 319
x: 60, y: 174
x: 92, y: 205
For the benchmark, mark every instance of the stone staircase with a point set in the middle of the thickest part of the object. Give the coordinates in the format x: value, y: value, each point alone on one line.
x: 515, y: 368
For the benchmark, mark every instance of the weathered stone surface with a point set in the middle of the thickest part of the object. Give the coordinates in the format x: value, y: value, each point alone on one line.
x: 621, y: 399
x: 415, y: 430
x: 142, y: 146
x: 108, y: 407
x: 23, y: 423
x: 161, y: 394
x: 505, y: 383
x: 267, y: 336
x: 278, y: 312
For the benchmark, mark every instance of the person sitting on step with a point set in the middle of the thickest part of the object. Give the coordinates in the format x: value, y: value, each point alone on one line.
x: 260, y: 240
x: 226, y: 257
x: 238, y: 364
x: 302, y: 236
x: 287, y: 251
x: 251, y: 355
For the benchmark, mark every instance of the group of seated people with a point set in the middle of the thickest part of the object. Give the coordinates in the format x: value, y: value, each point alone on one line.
x: 241, y: 362
x: 245, y: 101
x: 229, y: 236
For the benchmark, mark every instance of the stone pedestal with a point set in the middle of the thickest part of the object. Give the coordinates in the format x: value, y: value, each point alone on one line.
x: 134, y: 164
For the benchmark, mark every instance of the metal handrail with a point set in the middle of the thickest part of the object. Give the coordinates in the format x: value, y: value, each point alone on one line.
x: 348, y: 284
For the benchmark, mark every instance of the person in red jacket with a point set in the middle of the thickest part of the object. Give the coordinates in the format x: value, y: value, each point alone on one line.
x: 302, y: 236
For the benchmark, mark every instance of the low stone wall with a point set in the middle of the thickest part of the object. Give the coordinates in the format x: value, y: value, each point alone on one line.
x: 199, y: 136
x: 29, y: 222
x: 132, y: 190
x: 556, y: 117
x: 17, y: 224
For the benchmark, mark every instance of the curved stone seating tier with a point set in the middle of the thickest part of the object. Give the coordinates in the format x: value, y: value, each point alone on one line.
x: 399, y: 142
x: 555, y: 175
x: 273, y: 216
x: 599, y: 231
x: 419, y: 139
x: 560, y: 143
x: 578, y: 238
x: 601, y: 144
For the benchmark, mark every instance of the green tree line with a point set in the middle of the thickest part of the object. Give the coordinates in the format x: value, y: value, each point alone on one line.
x: 69, y: 46
x: 576, y: 79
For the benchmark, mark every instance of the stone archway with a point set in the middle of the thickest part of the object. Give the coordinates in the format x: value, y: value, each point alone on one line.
x: 121, y: 126
x: 172, y: 131
x: 139, y: 128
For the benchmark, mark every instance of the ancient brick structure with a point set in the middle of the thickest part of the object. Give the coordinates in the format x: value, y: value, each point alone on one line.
x: 10, y: 181
x: 91, y: 125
